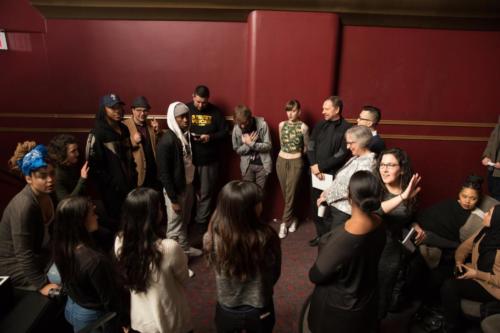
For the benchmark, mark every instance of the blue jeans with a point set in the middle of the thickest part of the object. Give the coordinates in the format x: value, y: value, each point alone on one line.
x: 78, y: 316
x: 245, y: 317
x: 53, y: 275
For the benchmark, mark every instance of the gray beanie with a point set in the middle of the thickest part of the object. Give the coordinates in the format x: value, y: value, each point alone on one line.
x: 180, y: 109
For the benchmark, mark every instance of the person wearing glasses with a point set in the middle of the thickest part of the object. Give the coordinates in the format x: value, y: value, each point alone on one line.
x: 109, y: 152
x: 400, y: 187
x: 144, y: 137
x: 337, y: 195
x: 370, y: 117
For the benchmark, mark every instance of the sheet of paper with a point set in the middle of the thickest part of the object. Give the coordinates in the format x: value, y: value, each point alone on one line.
x: 322, y: 184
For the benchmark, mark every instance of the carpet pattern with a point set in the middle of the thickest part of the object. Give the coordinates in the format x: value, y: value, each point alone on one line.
x: 290, y: 292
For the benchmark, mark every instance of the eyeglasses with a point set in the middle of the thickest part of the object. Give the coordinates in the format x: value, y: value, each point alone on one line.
x: 365, y: 119
x: 388, y: 165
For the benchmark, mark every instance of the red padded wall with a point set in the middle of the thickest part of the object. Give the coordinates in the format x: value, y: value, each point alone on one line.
x: 63, y: 66
x: 291, y: 55
x: 420, y: 74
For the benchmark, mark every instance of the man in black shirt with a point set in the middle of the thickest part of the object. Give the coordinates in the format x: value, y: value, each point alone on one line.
x: 370, y: 117
x: 327, y: 152
x: 208, y: 130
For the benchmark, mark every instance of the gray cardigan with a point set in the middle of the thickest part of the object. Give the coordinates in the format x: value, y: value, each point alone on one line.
x: 21, y: 236
x: 262, y: 146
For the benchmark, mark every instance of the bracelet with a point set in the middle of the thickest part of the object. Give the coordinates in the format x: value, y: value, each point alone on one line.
x: 402, y: 199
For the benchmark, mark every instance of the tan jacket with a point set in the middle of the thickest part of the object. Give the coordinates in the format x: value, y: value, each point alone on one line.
x: 489, y: 281
x: 138, y: 150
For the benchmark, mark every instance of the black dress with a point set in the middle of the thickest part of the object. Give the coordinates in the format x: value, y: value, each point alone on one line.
x: 345, y: 275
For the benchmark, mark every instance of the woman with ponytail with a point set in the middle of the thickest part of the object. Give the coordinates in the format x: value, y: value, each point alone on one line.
x: 345, y: 295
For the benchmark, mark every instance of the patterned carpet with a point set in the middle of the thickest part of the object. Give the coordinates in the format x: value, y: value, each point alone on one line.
x: 290, y: 292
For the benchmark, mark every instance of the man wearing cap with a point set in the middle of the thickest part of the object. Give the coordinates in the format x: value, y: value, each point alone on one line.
x: 208, y: 130
x: 176, y: 170
x: 370, y: 117
x: 144, y: 137
x: 109, y: 153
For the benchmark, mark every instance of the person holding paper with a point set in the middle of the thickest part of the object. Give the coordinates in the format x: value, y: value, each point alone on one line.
x: 326, y: 153
x: 337, y: 195
x: 491, y: 160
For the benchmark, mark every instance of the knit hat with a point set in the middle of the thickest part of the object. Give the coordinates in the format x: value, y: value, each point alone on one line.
x: 180, y: 109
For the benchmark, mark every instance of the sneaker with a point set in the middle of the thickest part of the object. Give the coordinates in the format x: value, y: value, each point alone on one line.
x: 283, y: 230
x: 190, y: 273
x: 193, y: 252
x: 293, y: 226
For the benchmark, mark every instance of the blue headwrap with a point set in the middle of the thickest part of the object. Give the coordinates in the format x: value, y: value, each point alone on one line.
x: 33, y: 160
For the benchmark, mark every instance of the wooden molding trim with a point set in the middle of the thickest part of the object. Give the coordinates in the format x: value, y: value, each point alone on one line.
x: 431, y: 123
x: 454, y: 14
x: 231, y: 118
x: 435, y: 137
x: 385, y: 136
x: 43, y: 130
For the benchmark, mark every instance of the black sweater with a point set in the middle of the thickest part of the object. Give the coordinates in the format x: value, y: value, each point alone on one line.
x: 170, y: 161
x: 345, y: 272
x: 207, y: 121
x: 327, y: 146
x: 94, y: 285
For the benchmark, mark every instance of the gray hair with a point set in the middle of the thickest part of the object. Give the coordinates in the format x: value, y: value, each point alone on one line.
x: 361, y: 134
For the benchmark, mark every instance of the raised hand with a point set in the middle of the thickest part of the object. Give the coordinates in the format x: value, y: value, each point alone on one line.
x: 84, y: 171
x: 155, y: 125
x: 413, y: 187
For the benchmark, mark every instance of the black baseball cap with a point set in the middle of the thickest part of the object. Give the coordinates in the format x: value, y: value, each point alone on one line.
x: 111, y: 100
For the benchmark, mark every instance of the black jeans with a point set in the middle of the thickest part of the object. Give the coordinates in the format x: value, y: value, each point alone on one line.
x: 245, y: 317
x: 453, y: 291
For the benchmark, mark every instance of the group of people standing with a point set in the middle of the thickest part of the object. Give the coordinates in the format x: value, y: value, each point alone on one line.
x: 139, y: 169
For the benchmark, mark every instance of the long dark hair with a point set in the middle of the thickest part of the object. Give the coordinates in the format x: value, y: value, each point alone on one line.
x: 70, y: 232
x: 237, y: 240
x: 406, y: 172
x: 139, y: 252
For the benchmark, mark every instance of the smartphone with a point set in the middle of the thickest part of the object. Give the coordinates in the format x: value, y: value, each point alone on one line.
x: 195, y: 136
x: 458, y: 272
